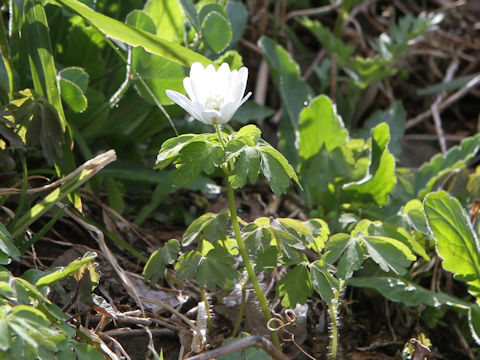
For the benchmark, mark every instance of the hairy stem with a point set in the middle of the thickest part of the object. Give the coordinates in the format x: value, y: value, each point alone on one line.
x: 243, y: 251
x: 333, y: 310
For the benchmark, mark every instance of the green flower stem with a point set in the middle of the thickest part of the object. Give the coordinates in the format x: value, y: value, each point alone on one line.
x: 333, y: 309
x: 246, y: 260
x: 243, y: 251
x: 241, y: 311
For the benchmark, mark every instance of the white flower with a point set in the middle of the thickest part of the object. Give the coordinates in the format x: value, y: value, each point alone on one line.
x: 215, y: 95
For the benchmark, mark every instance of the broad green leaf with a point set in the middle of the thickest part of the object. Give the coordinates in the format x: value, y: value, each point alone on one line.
x: 5, y: 337
x: 398, y: 233
x: 63, y: 272
x: 216, y: 31
x: 157, y: 72
x: 73, y: 95
x: 320, y: 126
x: 187, y: 265
x: 348, y: 250
x: 238, y: 17
x: 246, y: 165
x: 171, y: 148
x: 295, y: 287
x: 409, y: 293
x: 87, y: 352
x: 156, y: 264
x: 289, y: 242
x: 76, y: 75
x: 389, y: 253
x: 194, y: 158
x: 395, y: 118
x: 276, y: 169
x: 413, y: 211
x: 168, y: 18
x: 319, y: 234
x: 135, y: 37
x: 380, y: 180
x: 442, y: 164
x: 42, y: 64
x: 250, y: 134
x: 34, y: 316
x: 323, y: 169
x: 6, y: 244
x: 323, y: 281
x: 293, y: 90
x: 194, y: 231
x: 329, y: 41
x: 191, y: 13
x: 456, y: 242
x: 216, y: 268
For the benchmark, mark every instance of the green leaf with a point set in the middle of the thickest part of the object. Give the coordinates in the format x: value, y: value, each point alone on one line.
x: 456, y: 242
x: 276, y: 169
x: 216, y: 269
x: 76, y: 75
x: 216, y: 31
x: 400, y: 234
x: 63, y: 272
x: 155, y: 267
x: 87, y: 352
x: 6, y: 244
x: 187, y: 265
x: 399, y: 290
x: 348, y: 250
x: 323, y: 281
x: 293, y: 90
x: 380, y: 179
x: 191, y: 13
x: 73, y: 96
x: 194, y: 231
x: 32, y: 315
x: 295, y: 287
x: 320, y: 126
x: 135, y: 37
x: 5, y: 336
x: 238, y: 18
x: 413, y: 211
x: 395, y: 118
x: 389, y: 253
x: 443, y: 164
x: 168, y: 18
x: 171, y: 148
x: 157, y: 72
x: 246, y: 165
x: 289, y: 242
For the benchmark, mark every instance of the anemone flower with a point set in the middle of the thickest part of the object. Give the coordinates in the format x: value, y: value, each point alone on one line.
x: 214, y: 95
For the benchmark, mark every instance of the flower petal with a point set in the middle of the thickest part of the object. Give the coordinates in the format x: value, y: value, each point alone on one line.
x: 182, y: 101
x: 211, y: 117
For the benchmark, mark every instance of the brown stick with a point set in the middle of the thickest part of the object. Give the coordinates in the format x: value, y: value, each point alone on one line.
x: 242, y: 344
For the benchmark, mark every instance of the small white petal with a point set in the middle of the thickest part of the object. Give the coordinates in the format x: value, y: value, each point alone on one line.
x: 211, y: 117
x: 187, y: 84
x: 182, y: 101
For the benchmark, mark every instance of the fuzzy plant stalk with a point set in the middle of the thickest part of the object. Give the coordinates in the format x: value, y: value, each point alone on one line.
x: 241, y: 247
x: 334, y: 321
